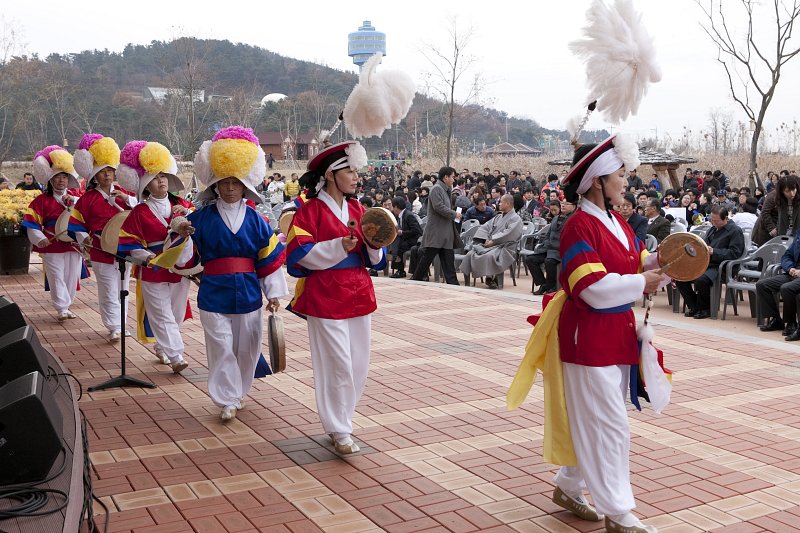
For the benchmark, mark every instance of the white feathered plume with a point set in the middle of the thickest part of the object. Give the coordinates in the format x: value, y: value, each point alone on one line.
x: 379, y: 100
x: 620, y: 58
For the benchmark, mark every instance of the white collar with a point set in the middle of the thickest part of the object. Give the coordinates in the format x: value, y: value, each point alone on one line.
x: 341, y: 212
x: 611, y: 224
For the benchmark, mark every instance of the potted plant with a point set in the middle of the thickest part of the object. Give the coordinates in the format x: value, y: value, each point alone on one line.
x: 15, y: 249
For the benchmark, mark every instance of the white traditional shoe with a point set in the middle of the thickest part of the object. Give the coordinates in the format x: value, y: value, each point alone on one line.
x: 114, y: 336
x: 228, y: 413
x: 70, y: 314
x: 346, y: 446
x: 62, y: 317
x: 179, y: 367
x: 162, y: 358
x: 576, y: 505
x: 636, y: 526
x: 128, y: 333
x: 241, y: 404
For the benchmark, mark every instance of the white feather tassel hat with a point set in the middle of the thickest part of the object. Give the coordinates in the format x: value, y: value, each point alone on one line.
x: 379, y: 100
x: 141, y: 162
x: 96, y: 152
x: 233, y: 152
x: 54, y: 160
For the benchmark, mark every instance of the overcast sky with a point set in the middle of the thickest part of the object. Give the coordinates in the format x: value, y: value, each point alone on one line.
x: 520, y: 47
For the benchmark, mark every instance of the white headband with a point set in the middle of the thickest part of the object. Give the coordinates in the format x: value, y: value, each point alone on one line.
x: 606, y: 163
x: 339, y: 164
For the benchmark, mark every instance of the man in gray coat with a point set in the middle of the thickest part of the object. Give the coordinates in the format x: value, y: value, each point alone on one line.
x: 439, y: 235
x: 501, y: 235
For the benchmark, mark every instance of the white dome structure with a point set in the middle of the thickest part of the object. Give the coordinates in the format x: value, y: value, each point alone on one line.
x: 272, y: 97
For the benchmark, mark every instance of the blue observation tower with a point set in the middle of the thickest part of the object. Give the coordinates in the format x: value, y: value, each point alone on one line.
x: 364, y: 43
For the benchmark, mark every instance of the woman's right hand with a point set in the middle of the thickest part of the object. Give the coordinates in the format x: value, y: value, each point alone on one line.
x: 348, y: 243
x: 651, y: 280
x: 185, y: 229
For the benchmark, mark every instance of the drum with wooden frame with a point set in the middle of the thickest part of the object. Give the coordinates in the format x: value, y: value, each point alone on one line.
x: 62, y: 224
x: 109, y: 238
x: 379, y: 227
x: 285, y: 221
x: 276, y: 343
x: 683, y: 256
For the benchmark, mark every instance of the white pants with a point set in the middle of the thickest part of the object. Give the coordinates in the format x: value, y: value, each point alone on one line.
x: 598, y: 421
x: 165, y: 304
x: 108, y: 293
x: 63, y: 272
x: 340, y: 359
x: 233, y: 344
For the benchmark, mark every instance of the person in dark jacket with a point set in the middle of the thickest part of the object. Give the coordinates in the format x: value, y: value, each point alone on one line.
x: 657, y: 225
x: 788, y: 285
x: 546, y: 252
x: 637, y: 221
x: 725, y: 241
x: 408, y: 232
x: 780, y: 214
x: 28, y: 183
x: 480, y: 211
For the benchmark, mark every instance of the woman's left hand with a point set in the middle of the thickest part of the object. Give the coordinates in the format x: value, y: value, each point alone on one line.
x: 273, y: 305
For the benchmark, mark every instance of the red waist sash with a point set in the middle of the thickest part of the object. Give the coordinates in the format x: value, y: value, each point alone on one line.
x: 228, y: 265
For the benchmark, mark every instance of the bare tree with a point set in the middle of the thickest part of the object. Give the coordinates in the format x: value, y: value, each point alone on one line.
x: 9, y: 43
x: 242, y: 108
x: 450, y: 64
x: 761, y: 59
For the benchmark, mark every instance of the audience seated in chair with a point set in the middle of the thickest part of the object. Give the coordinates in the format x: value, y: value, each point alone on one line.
x: 725, y: 241
x: 408, y: 232
x: 546, y: 252
x: 657, y: 225
x: 497, y: 252
x: 788, y: 285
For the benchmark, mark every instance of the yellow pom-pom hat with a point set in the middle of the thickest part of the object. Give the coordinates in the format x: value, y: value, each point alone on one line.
x: 96, y: 152
x: 142, y: 161
x: 54, y: 160
x: 234, y: 152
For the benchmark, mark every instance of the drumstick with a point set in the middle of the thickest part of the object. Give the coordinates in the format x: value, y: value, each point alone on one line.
x: 352, y: 225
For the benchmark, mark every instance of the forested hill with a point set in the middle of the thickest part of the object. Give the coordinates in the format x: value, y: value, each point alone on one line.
x: 46, y: 100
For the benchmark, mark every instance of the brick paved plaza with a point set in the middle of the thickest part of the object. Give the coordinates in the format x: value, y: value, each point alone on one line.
x: 440, y: 451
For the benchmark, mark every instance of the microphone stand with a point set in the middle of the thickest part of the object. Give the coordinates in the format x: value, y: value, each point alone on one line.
x: 123, y: 380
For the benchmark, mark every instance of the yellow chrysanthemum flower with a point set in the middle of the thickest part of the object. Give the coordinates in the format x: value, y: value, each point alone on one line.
x: 155, y: 158
x: 105, y: 152
x: 232, y: 158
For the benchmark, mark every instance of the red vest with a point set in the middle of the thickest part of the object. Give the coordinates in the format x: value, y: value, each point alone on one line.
x: 588, y: 251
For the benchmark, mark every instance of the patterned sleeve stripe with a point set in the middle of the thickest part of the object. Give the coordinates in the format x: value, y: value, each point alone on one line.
x: 267, y: 250
x: 272, y: 266
x: 296, y: 232
x: 77, y: 216
x: 124, y: 235
x: 582, y: 271
x: 577, y: 248
x: 34, y: 215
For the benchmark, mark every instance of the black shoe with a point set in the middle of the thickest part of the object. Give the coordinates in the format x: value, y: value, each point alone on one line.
x: 774, y: 324
x: 690, y: 313
x: 791, y: 327
x: 373, y: 272
x: 540, y: 291
x: 398, y: 274
x: 794, y: 336
x: 703, y: 313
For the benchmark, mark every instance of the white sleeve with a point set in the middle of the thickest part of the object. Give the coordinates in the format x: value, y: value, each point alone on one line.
x: 142, y: 254
x: 375, y: 256
x: 187, y: 253
x: 81, y: 236
x: 613, y: 290
x: 35, y: 236
x: 274, y: 285
x: 324, y: 255
x: 132, y: 201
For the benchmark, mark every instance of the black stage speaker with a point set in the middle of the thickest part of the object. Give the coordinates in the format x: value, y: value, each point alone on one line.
x: 10, y: 316
x: 30, y: 430
x: 20, y: 354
